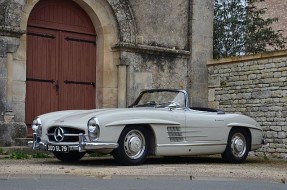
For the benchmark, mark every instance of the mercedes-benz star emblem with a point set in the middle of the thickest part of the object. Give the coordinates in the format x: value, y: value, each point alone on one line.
x: 59, y: 134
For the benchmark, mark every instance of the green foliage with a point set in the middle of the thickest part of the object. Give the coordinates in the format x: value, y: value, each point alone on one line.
x: 240, y: 29
x: 19, y: 155
x: 40, y: 155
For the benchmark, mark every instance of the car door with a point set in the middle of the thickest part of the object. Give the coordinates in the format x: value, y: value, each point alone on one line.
x: 204, y: 128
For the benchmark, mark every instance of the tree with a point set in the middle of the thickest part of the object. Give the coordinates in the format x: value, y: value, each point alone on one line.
x: 241, y: 29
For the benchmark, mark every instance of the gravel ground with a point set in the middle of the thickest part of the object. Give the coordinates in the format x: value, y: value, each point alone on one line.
x: 183, y: 167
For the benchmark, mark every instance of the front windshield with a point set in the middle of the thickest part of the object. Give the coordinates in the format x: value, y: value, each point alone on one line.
x: 161, y: 99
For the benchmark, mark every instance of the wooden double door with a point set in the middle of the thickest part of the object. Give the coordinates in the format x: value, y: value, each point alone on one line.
x: 61, y: 71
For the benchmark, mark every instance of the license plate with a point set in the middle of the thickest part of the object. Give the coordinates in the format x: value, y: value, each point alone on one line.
x: 58, y: 148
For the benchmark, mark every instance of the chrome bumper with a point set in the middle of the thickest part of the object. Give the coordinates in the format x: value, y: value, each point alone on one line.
x: 82, y: 146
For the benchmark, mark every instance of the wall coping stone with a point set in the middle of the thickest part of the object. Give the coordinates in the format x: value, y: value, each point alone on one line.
x: 132, y: 47
x: 228, y: 60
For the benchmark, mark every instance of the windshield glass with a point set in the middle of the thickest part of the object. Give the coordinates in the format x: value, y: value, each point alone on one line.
x: 161, y: 99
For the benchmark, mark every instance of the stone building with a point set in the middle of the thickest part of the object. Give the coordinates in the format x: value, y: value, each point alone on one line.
x: 81, y: 54
x: 276, y: 9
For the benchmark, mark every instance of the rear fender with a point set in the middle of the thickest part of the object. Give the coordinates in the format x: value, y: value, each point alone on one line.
x: 244, y: 125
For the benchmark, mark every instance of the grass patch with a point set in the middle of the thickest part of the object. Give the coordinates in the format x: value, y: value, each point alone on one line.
x: 40, y: 155
x: 19, y: 155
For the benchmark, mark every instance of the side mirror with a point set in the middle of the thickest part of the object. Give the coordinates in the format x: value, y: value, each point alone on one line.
x: 172, y: 105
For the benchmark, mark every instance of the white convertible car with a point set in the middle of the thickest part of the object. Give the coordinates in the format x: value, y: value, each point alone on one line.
x: 160, y: 122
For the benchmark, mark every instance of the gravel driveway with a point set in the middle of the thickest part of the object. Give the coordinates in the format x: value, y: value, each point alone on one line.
x: 184, y: 167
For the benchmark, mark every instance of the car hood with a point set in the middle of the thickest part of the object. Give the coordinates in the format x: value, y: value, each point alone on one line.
x: 73, y: 116
x: 79, y: 118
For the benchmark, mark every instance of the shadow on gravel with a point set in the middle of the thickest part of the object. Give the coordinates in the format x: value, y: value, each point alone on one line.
x: 109, y: 161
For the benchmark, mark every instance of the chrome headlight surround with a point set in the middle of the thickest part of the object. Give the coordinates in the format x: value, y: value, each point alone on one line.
x: 37, y: 126
x: 93, y: 129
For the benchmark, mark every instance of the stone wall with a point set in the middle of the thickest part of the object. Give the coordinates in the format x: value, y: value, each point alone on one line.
x: 158, y: 57
x: 276, y: 9
x: 147, y: 71
x: 255, y: 86
x: 162, y: 23
x: 10, y: 32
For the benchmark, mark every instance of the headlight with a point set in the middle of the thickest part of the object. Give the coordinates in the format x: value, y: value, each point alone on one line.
x: 37, y: 126
x: 93, y: 129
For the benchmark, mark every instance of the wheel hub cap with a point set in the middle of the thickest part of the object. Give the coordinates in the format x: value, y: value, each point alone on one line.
x: 238, y: 145
x: 134, y: 144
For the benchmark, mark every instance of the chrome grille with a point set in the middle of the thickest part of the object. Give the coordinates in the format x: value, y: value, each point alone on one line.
x: 175, y: 134
x: 70, y: 134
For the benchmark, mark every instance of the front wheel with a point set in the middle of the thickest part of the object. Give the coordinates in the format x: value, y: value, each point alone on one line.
x: 134, y: 146
x: 237, y: 146
x: 69, y: 157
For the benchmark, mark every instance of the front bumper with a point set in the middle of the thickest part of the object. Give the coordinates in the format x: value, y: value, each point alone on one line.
x: 82, y: 146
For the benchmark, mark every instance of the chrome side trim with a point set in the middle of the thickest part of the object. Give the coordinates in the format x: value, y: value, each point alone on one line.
x: 190, y: 144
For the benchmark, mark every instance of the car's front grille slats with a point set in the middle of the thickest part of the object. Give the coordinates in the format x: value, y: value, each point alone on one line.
x: 69, y: 134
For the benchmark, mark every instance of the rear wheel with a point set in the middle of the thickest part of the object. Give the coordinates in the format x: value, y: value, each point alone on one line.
x: 237, y: 146
x: 134, y: 146
x: 69, y: 157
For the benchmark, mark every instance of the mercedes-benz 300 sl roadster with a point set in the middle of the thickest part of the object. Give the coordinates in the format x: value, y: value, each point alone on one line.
x: 160, y: 122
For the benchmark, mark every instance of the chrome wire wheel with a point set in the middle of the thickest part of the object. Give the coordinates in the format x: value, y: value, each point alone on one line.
x: 134, y: 144
x: 238, y: 145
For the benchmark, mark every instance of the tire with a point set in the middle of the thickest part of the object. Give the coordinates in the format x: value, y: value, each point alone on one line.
x: 237, y: 146
x: 134, y: 146
x: 69, y: 157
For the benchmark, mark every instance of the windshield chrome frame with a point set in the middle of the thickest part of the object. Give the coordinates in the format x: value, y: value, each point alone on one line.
x: 162, y: 90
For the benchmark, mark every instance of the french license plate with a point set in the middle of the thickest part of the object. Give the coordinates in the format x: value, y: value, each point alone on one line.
x: 58, y: 148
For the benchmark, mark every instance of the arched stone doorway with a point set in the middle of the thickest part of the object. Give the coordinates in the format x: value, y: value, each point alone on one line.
x: 106, y: 23
x: 61, y: 59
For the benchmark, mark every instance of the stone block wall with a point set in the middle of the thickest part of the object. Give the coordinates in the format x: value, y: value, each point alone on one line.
x: 3, y: 81
x: 276, y: 9
x: 255, y: 86
x: 147, y: 71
